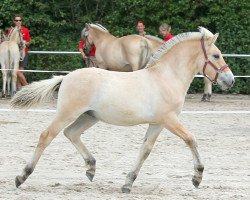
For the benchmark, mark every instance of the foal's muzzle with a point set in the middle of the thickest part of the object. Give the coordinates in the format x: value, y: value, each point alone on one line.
x: 226, y: 80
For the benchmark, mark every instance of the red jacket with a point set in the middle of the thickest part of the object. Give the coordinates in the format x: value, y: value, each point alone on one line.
x: 26, y: 35
x: 81, y: 44
x: 169, y: 36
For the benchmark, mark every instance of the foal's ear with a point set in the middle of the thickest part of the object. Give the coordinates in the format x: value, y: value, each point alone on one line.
x: 213, y: 39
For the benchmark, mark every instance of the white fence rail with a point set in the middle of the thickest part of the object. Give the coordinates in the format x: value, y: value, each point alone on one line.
x: 77, y: 52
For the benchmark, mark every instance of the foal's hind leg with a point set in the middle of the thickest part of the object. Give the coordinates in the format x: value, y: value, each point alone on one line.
x: 177, y: 128
x: 73, y: 133
x: 45, y: 139
x: 148, y: 143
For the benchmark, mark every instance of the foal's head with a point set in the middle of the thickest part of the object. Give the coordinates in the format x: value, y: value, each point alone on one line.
x: 213, y: 65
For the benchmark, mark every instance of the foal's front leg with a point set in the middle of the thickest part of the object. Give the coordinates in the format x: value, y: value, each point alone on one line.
x: 177, y: 128
x: 148, y: 143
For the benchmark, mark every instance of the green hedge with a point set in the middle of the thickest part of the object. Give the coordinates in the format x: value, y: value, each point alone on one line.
x: 56, y: 26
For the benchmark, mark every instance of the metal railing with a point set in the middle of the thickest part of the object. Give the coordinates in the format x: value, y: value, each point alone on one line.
x: 77, y: 52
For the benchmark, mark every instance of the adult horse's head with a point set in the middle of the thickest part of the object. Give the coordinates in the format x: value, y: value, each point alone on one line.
x: 89, y: 34
x: 212, y: 63
x: 17, y: 36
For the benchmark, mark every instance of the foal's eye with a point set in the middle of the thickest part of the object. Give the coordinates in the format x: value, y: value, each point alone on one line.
x: 216, y: 56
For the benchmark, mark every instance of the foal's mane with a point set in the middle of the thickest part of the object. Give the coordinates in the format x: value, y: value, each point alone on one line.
x: 99, y: 27
x: 178, y: 39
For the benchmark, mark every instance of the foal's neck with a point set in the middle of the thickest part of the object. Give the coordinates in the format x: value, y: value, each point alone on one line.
x: 181, y: 63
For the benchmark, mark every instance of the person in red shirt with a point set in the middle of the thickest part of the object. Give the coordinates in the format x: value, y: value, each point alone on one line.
x: 89, y: 59
x: 165, y: 30
x: 26, y: 37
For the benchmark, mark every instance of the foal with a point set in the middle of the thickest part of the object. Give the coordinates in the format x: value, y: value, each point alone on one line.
x: 154, y: 95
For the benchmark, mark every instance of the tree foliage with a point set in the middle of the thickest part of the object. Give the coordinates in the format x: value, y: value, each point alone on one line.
x: 56, y: 25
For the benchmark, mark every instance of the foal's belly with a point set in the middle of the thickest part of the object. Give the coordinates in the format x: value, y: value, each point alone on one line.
x: 124, y: 118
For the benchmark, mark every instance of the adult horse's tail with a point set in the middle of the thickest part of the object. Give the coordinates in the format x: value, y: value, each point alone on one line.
x: 36, y: 93
x: 145, y: 54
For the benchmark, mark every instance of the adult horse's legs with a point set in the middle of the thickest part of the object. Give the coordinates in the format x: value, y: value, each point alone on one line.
x: 13, y: 82
x: 45, y: 139
x: 207, y: 90
x: 73, y: 133
x: 148, y: 143
x: 4, y: 74
x: 177, y: 128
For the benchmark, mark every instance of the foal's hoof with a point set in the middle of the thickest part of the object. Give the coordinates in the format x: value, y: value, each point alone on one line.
x: 90, y: 176
x: 196, y: 183
x: 18, y: 181
x: 125, y: 189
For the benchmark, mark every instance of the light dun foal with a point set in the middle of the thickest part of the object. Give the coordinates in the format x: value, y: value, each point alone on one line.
x: 154, y: 95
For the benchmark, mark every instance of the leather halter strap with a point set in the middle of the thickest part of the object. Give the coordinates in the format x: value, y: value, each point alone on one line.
x: 86, y: 41
x: 208, y: 62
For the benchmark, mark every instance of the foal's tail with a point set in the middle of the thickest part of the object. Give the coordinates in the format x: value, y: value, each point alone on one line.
x: 36, y: 93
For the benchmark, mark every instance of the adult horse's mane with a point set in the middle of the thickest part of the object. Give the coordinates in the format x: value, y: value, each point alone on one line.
x: 175, y: 40
x: 99, y: 27
x: 154, y: 38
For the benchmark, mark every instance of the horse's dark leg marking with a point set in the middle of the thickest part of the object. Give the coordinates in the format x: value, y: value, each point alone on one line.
x: 20, y: 179
x: 91, y: 165
x: 206, y: 97
x: 127, y: 187
x: 198, y: 178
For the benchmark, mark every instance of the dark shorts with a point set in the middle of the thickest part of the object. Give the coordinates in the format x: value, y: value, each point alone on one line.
x: 24, y: 63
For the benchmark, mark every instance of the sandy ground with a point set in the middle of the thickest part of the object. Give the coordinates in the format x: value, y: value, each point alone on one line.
x: 223, y: 139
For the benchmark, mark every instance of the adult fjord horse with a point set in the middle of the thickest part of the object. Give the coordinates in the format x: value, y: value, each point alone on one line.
x: 154, y: 95
x: 11, y: 51
x: 127, y: 53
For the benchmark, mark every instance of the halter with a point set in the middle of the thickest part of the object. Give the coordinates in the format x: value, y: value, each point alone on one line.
x: 86, y: 41
x: 207, y: 61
